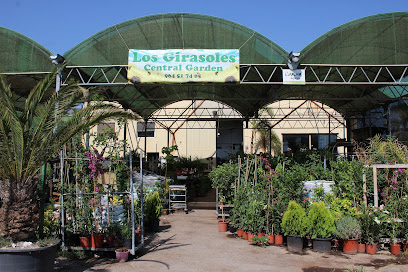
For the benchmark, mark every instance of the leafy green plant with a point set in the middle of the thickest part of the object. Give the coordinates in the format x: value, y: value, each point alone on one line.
x: 153, y: 207
x: 347, y: 227
x: 223, y: 177
x: 260, y: 241
x: 255, y: 216
x: 5, y: 241
x: 370, y: 228
x: 295, y: 221
x: 321, y: 221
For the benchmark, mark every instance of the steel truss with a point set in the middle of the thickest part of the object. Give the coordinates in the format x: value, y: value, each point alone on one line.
x: 306, y: 115
x: 316, y: 74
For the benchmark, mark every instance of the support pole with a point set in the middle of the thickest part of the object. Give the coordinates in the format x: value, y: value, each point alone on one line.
x: 124, y: 140
x: 145, y: 139
x: 132, y: 206
x: 375, y: 186
x: 365, y: 189
x: 62, y: 199
x: 141, y: 199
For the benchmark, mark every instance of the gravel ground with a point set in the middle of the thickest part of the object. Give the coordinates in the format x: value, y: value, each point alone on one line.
x: 191, y: 242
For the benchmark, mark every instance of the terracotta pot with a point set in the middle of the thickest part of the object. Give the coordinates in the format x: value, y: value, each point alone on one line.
x: 395, y: 249
x: 350, y: 246
x: 84, y: 241
x: 122, y: 255
x: 371, y: 249
x: 250, y: 235
x: 278, y: 239
x: 271, y: 239
x: 222, y: 226
x: 260, y: 234
x: 97, y: 240
x: 361, y: 248
x: 240, y: 232
x: 405, y: 247
x: 245, y: 235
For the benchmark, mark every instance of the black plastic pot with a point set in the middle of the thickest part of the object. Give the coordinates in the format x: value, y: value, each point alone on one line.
x: 28, y: 260
x: 295, y: 243
x: 322, y: 244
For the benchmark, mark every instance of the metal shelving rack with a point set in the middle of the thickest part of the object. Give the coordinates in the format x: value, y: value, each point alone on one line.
x: 178, y: 197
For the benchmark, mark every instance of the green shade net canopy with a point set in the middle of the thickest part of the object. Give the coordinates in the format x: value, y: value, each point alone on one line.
x: 375, y: 40
x: 23, y: 60
x: 178, y: 31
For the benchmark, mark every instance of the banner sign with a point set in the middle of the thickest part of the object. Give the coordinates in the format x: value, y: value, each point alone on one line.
x: 183, y: 65
x: 296, y: 76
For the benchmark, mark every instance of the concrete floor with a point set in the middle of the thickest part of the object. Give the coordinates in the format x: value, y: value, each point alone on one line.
x: 191, y: 242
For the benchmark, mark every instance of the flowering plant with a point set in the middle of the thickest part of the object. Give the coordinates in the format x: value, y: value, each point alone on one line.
x: 95, y: 163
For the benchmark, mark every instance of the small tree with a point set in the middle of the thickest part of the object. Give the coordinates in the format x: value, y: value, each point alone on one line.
x: 295, y: 221
x: 321, y: 221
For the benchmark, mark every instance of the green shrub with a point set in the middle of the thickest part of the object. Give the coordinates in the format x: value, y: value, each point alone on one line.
x: 153, y: 207
x: 260, y: 241
x: 347, y: 227
x: 321, y: 221
x: 295, y: 221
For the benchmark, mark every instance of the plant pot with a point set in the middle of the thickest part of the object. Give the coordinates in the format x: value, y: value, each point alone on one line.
x: 84, y: 241
x: 295, y: 243
x: 278, y: 239
x: 122, y: 254
x: 33, y: 259
x: 138, y: 236
x: 111, y: 240
x: 350, y: 246
x: 260, y: 234
x: 322, y: 245
x: 240, y: 232
x: 72, y: 239
x: 153, y: 226
x: 245, y: 235
x: 405, y: 247
x: 361, y: 248
x: 250, y: 236
x: 222, y: 226
x: 395, y: 249
x: 371, y: 248
x: 97, y: 240
x: 271, y: 239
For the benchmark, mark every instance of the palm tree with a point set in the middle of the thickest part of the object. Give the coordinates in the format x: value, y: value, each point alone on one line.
x: 30, y: 136
x: 267, y: 140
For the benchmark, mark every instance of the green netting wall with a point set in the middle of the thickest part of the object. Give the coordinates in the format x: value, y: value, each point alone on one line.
x: 379, y: 39
x: 174, y: 31
x: 21, y: 54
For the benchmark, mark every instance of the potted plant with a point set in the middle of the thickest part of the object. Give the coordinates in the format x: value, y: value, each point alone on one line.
x: 32, y: 133
x: 393, y: 230
x: 255, y: 217
x: 223, y: 177
x: 294, y: 225
x: 348, y: 228
x: 122, y: 254
x: 153, y: 209
x: 370, y: 229
x: 321, y: 226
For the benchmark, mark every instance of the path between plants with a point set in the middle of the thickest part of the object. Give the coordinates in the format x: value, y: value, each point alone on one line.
x: 191, y: 242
